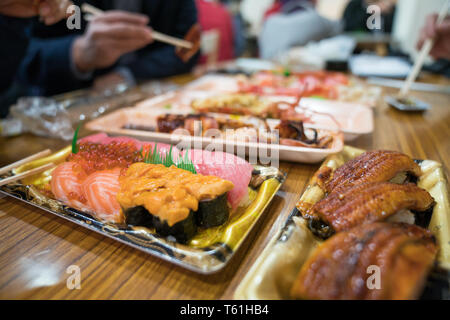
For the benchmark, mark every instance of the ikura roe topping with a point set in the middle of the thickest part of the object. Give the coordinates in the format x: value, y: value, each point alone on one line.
x: 95, y: 157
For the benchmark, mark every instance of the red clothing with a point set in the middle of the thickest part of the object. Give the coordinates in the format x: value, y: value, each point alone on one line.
x: 275, y: 8
x: 213, y: 15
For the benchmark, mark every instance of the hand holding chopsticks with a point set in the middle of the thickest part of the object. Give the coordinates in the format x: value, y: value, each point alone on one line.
x: 426, y: 48
x: 109, y: 37
x: 87, y: 8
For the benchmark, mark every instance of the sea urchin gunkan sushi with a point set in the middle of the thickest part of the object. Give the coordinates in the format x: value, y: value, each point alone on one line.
x: 175, y: 199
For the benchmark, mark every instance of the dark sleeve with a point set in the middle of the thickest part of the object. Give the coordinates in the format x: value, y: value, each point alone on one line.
x: 14, y: 43
x: 355, y: 16
x: 159, y: 60
x: 48, y: 67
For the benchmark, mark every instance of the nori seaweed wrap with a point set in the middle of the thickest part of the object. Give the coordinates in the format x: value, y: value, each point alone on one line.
x: 138, y: 216
x: 164, y: 198
x: 213, y: 213
x: 183, y: 230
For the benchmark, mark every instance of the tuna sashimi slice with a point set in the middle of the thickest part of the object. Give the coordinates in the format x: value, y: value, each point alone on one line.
x: 66, y: 185
x: 226, y: 166
x: 100, y: 189
x: 94, y: 138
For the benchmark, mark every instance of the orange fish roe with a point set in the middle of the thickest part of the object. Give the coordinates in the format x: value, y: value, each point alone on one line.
x: 79, y: 197
x: 94, y: 157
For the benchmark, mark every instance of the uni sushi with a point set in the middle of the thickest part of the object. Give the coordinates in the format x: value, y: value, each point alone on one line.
x: 174, y: 198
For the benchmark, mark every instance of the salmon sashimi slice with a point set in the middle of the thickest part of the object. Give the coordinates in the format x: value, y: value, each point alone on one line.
x: 66, y: 185
x: 101, y: 189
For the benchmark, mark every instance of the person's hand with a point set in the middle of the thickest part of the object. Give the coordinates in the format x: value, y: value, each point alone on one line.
x: 50, y: 11
x: 440, y: 34
x: 108, y: 37
x: 193, y: 36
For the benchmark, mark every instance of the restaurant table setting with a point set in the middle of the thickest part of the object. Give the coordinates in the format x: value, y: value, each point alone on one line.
x: 149, y: 205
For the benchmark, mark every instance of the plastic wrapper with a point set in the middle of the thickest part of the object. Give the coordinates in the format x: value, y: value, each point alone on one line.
x: 44, y: 117
x: 10, y: 127
x: 56, y: 117
x: 89, y: 104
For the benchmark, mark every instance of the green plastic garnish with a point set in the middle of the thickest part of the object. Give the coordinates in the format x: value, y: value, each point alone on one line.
x: 156, y: 157
x: 75, y: 139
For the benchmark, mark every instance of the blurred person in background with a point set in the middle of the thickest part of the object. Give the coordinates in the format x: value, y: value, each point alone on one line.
x: 440, y: 34
x: 291, y: 23
x: 239, y: 30
x: 113, y: 47
x: 14, y: 24
x: 213, y: 15
x: 355, y: 15
x: 441, y: 47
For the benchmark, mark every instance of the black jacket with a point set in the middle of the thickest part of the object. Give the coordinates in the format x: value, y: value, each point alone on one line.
x: 355, y: 17
x: 14, y: 43
x: 47, y: 68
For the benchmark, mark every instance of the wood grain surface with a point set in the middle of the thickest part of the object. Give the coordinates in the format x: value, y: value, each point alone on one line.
x: 36, y: 248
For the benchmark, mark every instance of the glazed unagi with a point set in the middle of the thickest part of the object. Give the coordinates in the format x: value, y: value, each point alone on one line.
x: 371, y: 166
x: 403, y: 254
x: 368, y: 202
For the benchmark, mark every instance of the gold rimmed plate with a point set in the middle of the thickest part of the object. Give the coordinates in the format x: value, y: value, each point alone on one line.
x: 208, y: 252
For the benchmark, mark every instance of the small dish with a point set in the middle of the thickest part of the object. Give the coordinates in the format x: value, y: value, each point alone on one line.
x: 407, y: 104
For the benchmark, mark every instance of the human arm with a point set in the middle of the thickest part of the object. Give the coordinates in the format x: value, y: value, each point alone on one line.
x: 160, y: 60
x: 440, y: 34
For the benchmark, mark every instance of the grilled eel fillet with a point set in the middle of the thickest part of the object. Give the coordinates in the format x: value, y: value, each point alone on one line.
x: 339, y: 268
x: 369, y: 202
x: 371, y: 166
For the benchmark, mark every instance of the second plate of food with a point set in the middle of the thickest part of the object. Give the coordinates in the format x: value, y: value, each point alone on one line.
x: 370, y: 225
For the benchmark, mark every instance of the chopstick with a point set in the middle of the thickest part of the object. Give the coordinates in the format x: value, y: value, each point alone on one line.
x: 25, y: 160
x: 87, y: 8
x: 426, y: 48
x: 171, y: 40
x: 26, y: 174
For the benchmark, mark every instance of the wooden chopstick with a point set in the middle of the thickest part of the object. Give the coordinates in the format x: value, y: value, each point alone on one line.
x: 25, y: 160
x: 426, y: 48
x: 87, y: 8
x: 26, y: 174
x: 171, y: 40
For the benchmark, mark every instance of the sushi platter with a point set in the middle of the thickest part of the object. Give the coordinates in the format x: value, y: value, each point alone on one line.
x: 163, y: 196
x: 317, y: 110
x: 331, y: 86
x: 301, y: 250
x: 139, y: 124
x: 315, y: 128
x: 203, y: 204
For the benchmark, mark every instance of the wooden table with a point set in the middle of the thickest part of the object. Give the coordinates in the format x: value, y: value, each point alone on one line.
x: 36, y: 248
